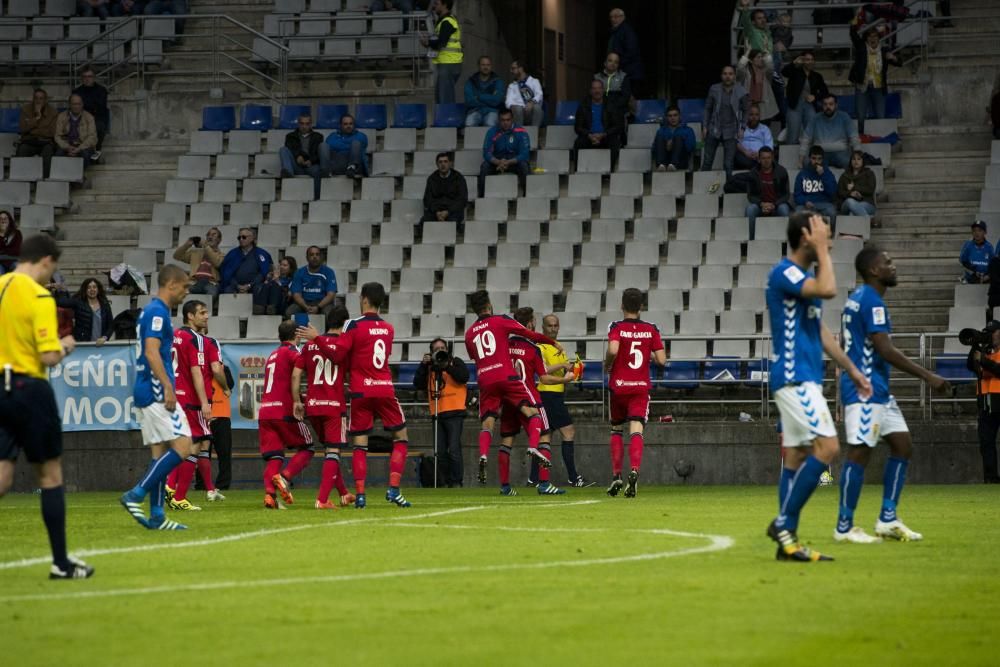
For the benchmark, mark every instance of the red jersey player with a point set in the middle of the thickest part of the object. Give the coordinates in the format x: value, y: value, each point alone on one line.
x: 499, y: 384
x: 324, y: 405
x: 628, y: 382
x: 277, y: 426
x: 364, y: 348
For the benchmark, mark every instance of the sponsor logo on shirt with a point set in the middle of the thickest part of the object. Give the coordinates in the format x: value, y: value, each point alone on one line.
x: 794, y: 275
x: 878, y: 315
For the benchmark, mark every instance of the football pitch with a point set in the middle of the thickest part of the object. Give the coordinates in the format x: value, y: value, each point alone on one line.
x: 679, y: 575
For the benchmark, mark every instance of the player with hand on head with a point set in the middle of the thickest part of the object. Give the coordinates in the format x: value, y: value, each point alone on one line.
x: 324, y: 404
x: 795, y: 297
x: 866, y: 336
x: 165, y: 428
x: 487, y: 342
x: 632, y: 344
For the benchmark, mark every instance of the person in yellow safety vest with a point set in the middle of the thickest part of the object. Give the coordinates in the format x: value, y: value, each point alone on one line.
x: 447, y: 41
x: 444, y: 376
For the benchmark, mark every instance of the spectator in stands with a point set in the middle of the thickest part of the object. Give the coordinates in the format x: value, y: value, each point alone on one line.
x: 91, y: 8
x: 625, y: 43
x: 205, y: 260
x: 834, y: 132
x: 869, y: 74
x: 92, y: 314
x: 305, y: 153
x: 447, y: 42
x: 446, y: 194
x: 726, y: 109
x: 755, y: 136
x: 506, y: 148
x: 815, y: 187
x: 172, y: 7
x: 128, y: 8
x: 272, y: 297
x: 95, y: 102
x: 674, y: 142
x: 856, y: 188
x: 754, y: 75
x: 976, y: 254
x: 617, y: 86
x: 405, y: 6
x: 994, y: 108
x: 76, y: 131
x: 38, y: 129
x: 599, y: 124
x: 348, y: 150
x: 767, y: 189
x: 314, y: 286
x: 756, y: 31
x: 484, y: 95
x: 805, y: 86
x: 524, y: 97
x: 10, y: 241
x: 781, y: 37
x: 246, y: 266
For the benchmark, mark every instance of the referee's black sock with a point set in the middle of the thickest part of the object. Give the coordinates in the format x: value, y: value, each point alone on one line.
x: 569, y: 459
x: 54, y: 515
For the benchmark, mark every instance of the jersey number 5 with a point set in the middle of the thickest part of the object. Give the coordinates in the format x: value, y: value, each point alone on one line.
x: 635, y: 352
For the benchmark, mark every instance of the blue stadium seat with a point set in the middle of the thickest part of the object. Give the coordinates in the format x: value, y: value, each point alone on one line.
x: 952, y: 368
x: 715, y: 367
x: 449, y: 115
x: 220, y: 119
x: 692, y: 109
x: 566, y: 112
x: 410, y: 115
x: 650, y: 111
x: 370, y: 116
x: 406, y: 373
x: 288, y: 119
x: 255, y: 117
x: 328, y: 116
x: 593, y: 375
x: 10, y: 119
x: 681, y: 375
x: 846, y: 104
x: 755, y: 366
x: 473, y: 382
x: 893, y: 105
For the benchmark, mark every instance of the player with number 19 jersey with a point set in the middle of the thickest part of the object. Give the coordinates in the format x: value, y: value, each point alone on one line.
x: 366, y: 346
x: 628, y: 378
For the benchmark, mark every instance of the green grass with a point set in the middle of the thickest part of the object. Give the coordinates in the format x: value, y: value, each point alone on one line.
x: 454, y: 589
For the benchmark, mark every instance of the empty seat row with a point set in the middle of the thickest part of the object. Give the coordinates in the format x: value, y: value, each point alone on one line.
x: 30, y: 169
x: 48, y: 193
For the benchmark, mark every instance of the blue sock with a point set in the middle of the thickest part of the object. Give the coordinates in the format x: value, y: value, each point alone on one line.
x: 784, y: 483
x: 157, y: 473
x: 569, y: 459
x: 156, y: 502
x: 802, y: 487
x: 852, y: 477
x: 895, y: 477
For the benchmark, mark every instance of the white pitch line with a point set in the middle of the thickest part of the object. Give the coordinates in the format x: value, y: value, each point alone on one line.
x: 716, y: 543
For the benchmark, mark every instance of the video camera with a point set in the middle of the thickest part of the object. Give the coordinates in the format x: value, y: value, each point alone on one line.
x: 441, y: 359
x: 978, y: 339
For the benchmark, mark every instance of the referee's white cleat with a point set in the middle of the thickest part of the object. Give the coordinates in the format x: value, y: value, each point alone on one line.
x: 896, y: 530
x: 856, y: 535
x: 76, y: 569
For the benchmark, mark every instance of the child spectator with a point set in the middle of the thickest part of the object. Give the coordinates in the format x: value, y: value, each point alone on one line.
x: 976, y: 255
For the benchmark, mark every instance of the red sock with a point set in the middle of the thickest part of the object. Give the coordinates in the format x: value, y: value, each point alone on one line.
x: 635, y: 450
x: 338, y: 478
x: 397, y: 462
x: 617, y: 452
x: 485, y: 439
x: 503, y: 465
x: 172, y: 477
x: 298, y: 463
x: 205, y: 471
x: 359, y: 467
x: 185, y: 476
x: 534, y: 430
x: 543, y: 473
x: 331, y: 470
x: 271, y: 468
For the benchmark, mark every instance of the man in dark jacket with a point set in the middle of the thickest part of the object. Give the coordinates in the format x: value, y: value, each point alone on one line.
x: 767, y: 189
x: 95, y: 102
x: 869, y: 75
x: 446, y: 194
x: 305, y: 153
x: 599, y: 123
x: 805, y: 86
x: 484, y: 95
x: 625, y: 43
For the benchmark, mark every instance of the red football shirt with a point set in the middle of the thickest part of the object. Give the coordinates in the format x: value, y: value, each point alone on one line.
x: 276, y: 402
x: 213, y: 354
x: 487, y: 342
x: 188, y: 350
x: 366, y: 345
x: 324, y: 377
x: 637, y: 340
x: 527, y: 359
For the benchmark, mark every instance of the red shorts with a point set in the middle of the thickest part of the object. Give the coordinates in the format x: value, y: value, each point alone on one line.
x: 513, y: 420
x: 363, y: 411
x: 629, y: 407
x: 200, y: 430
x: 507, y: 393
x: 275, y: 435
x: 330, y: 429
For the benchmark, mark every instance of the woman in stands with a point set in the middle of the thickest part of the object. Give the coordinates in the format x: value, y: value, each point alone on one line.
x: 92, y: 314
x: 753, y: 73
x: 271, y: 298
x: 856, y: 189
x: 10, y: 241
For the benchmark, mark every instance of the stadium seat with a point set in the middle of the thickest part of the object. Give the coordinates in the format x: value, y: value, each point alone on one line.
x: 220, y: 119
x: 232, y: 166
x: 545, y: 279
x: 566, y: 112
x: 10, y: 120
x: 197, y: 167
x: 206, y: 142
x: 771, y: 229
x: 442, y: 233
x: 503, y: 279
x: 692, y: 109
x: 406, y: 210
x: 449, y: 115
x: 473, y: 139
x: 532, y: 209
x: 694, y: 229
x: 243, y: 142
x: 590, y: 278
x: 255, y: 117
x: 459, y: 279
x: 675, y: 277
x: 513, y: 255
x: 328, y: 116
x: 370, y: 116
x: 288, y: 116
x: 26, y: 169
x: 542, y: 186
x: 641, y: 135
x: 378, y: 189
x: 634, y: 160
x: 503, y: 186
x: 668, y: 184
x: 642, y: 253
x: 438, y: 139
x: 399, y: 139
x: 553, y: 161
x: 597, y: 254
x: 593, y: 161
x: 39, y: 217
x: 650, y: 111
x: 470, y: 255
x: 69, y: 169
x: 559, y: 137
x: 720, y: 276
x: 410, y: 115
x: 632, y: 276
x: 15, y: 194
x: 562, y: 231
x: 259, y: 190
x: 437, y: 324
x: 608, y: 231
x: 626, y: 185
x: 219, y: 190
x: 684, y: 253
x: 732, y: 229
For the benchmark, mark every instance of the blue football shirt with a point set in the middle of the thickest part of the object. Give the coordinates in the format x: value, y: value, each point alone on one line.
x: 864, y: 314
x: 313, y: 286
x: 797, y: 354
x: 154, y: 322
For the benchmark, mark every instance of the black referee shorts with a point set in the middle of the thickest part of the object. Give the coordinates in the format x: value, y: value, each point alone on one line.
x: 29, y: 420
x: 555, y: 409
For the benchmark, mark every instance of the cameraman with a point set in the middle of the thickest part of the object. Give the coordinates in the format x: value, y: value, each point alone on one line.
x: 984, y: 361
x: 205, y: 260
x: 444, y: 377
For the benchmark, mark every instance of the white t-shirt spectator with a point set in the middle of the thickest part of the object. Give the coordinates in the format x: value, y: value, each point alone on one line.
x: 520, y: 92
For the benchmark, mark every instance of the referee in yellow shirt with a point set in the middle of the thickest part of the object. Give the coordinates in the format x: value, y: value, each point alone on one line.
x: 29, y: 417
x: 554, y: 400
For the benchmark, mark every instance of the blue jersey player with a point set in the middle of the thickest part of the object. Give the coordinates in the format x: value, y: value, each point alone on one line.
x: 164, y: 427
x: 865, y: 335
x: 794, y: 304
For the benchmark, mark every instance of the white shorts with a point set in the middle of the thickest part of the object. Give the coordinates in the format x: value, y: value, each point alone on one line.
x: 160, y: 426
x: 804, y: 414
x: 867, y: 422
